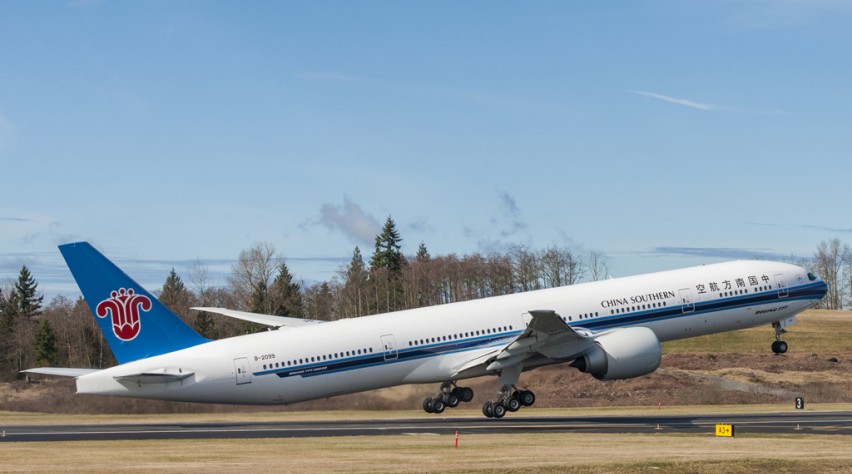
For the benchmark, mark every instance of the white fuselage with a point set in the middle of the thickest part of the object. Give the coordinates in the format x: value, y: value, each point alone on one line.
x: 428, y: 345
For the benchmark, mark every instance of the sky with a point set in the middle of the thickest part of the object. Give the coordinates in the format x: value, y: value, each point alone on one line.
x: 663, y: 134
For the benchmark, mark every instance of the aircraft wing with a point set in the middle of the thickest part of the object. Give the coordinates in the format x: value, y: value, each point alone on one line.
x: 60, y: 371
x: 546, y: 335
x: 267, y: 319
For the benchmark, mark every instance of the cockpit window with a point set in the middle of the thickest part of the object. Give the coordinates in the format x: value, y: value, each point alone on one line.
x: 811, y: 276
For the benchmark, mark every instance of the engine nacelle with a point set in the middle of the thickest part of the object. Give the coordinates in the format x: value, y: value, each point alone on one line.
x: 622, y: 354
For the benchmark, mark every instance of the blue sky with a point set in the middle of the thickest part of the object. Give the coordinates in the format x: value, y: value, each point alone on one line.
x: 663, y: 134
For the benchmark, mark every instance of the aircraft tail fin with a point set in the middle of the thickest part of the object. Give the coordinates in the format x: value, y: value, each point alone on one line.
x: 135, y: 324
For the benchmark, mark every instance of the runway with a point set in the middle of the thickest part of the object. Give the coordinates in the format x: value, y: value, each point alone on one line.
x: 775, y: 423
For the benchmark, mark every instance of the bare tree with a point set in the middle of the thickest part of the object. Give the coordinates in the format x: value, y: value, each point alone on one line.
x: 199, y: 278
x: 598, y: 268
x: 559, y: 266
x: 525, y: 268
x: 250, y: 276
x: 828, y: 264
x: 499, y: 268
x: 319, y: 301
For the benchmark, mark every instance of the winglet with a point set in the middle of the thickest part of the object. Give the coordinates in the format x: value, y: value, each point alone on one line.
x: 135, y: 324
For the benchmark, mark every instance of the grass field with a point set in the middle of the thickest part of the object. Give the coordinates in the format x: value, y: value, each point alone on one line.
x: 814, y: 331
x: 592, y: 453
x: 576, y: 452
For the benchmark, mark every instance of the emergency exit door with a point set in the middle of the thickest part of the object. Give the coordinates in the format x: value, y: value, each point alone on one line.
x: 389, y: 347
x: 242, y: 371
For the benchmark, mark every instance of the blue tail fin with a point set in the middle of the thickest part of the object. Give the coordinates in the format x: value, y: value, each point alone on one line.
x: 133, y: 322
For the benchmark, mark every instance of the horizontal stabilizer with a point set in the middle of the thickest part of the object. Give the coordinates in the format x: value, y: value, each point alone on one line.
x: 267, y: 319
x: 153, y: 377
x: 60, y: 371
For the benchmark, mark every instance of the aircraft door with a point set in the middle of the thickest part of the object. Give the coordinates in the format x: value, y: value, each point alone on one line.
x: 389, y: 347
x: 781, y: 283
x: 242, y: 371
x: 686, y: 300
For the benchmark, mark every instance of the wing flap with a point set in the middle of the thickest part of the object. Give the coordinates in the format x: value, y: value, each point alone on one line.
x: 476, y: 364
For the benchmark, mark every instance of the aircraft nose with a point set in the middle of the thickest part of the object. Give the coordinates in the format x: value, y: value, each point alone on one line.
x: 821, y: 288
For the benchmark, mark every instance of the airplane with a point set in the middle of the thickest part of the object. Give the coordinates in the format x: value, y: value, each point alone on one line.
x: 610, y: 329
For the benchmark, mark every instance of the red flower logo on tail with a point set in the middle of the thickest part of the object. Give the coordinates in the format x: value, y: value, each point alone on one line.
x: 123, y: 307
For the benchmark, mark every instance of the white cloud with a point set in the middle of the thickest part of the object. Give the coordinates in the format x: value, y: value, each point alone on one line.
x: 510, y: 207
x: 712, y: 107
x: 506, y: 227
x: 675, y: 100
x: 350, y: 220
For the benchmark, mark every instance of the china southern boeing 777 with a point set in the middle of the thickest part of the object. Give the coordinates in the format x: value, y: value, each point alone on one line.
x: 610, y: 329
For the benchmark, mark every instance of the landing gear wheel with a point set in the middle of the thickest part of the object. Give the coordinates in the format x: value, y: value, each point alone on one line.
x: 488, y: 409
x: 452, y: 401
x: 499, y: 410
x: 465, y: 394
x: 779, y: 347
x: 438, y: 406
x: 527, y: 398
x: 427, y: 405
x: 513, y: 404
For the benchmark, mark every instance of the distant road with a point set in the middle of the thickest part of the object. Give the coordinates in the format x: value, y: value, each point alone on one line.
x: 803, y: 423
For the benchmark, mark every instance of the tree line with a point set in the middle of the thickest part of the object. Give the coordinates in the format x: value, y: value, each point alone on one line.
x: 64, y: 333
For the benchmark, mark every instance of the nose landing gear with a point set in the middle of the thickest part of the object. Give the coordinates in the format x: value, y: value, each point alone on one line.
x: 779, y: 346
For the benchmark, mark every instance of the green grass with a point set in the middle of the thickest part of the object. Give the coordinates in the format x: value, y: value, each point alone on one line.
x: 815, y: 331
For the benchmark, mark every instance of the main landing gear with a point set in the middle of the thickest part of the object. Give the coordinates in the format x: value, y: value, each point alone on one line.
x: 510, y: 399
x: 450, y: 397
x: 779, y: 346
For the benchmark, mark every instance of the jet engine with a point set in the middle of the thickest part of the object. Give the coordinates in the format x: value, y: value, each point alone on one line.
x: 622, y: 354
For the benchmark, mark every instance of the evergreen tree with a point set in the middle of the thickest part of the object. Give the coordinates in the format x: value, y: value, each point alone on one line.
x: 46, y: 352
x: 259, y: 298
x: 29, y: 301
x: 386, y: 269
x: 286, y: 294
x: 354, y: 289
x: 322, y: 302
x: 175, y: 296
x: 422, y: 254
x: 387, y: 253
x: 420, y: 275
x: 357, y: 270
x: 10, y: 313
